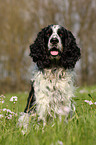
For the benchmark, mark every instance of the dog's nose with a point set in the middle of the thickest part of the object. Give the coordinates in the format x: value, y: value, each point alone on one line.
x: 54, y: 41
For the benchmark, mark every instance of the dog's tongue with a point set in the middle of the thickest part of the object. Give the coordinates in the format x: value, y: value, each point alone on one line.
x: 54, y: 52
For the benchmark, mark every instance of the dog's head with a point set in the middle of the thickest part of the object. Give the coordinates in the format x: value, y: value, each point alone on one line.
x: 55, y: 44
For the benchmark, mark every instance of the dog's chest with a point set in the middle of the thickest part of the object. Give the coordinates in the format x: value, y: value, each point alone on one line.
x: 53, y: 90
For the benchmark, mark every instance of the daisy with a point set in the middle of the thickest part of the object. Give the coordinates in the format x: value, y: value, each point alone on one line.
x: 89, y: 102
x: 13, y: 98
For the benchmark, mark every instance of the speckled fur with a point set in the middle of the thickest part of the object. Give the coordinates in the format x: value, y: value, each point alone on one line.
x: 54, y: 89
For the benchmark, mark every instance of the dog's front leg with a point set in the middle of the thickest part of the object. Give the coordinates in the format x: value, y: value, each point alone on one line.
x: 30, y: 101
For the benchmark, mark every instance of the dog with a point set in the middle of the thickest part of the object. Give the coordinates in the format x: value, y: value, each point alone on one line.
x: 55, y: 53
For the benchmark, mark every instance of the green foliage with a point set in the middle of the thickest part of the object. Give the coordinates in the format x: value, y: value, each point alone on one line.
x: 80, y: 129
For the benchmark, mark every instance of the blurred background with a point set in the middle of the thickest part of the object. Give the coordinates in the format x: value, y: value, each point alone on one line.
x: 20, y: 21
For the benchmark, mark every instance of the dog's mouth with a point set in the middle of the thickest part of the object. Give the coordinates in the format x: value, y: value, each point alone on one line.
x: 54, y: 52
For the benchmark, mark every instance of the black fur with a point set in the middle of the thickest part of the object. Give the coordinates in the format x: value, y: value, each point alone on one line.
x: 69, y: 56
x: 31, y: 100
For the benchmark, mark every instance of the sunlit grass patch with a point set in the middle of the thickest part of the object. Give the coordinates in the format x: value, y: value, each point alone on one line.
x: 80, y: 129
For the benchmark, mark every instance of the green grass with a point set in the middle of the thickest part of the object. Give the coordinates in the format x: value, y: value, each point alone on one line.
x: 80, y: 129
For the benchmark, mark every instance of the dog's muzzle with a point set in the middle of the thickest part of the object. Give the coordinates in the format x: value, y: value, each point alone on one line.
x: 54, y: 41
x: 54, y: 46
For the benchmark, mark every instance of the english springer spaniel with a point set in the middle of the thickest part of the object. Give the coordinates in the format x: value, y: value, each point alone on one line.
x: 55, y: 53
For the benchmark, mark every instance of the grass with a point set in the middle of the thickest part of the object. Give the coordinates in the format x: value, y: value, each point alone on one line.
x: 80, y: 129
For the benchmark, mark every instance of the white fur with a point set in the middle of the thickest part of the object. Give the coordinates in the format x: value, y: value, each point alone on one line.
x: 53, y: 91
x: 55, y: 35
x: 23, y: 122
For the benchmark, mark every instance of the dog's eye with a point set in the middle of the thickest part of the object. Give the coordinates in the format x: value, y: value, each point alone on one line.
x: 60, y: 34
x: 49, y: 32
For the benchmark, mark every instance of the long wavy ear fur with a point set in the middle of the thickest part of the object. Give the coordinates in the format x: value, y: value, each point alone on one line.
x: 38, y: 50
x: 71, y: 52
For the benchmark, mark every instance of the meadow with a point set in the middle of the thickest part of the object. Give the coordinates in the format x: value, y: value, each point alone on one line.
x: 79, y: 130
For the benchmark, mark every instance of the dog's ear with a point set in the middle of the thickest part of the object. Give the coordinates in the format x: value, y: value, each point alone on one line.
x: 71, y: 52
x: 38, y: 50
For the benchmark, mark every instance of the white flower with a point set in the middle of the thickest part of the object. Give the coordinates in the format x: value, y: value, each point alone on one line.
x: 2, y: 101
x: 89, y: 102
x: 4, y: 109
x: 8, y: 111
x: 2, y: 96
x: 9, y: 116
x: 13, y: 98
x: 95, y: 103
x: 59, y: 142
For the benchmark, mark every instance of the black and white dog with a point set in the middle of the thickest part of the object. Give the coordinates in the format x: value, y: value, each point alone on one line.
x: 55, y: 52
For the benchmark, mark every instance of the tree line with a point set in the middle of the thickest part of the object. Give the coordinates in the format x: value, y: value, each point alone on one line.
x: 20, y: 21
